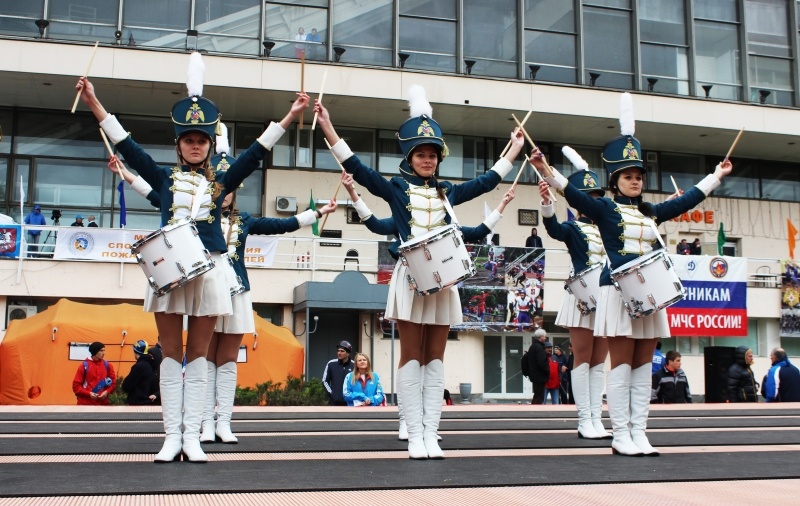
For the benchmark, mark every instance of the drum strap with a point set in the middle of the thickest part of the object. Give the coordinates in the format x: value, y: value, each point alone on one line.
x: 658, y: 235
x: 450, y: 211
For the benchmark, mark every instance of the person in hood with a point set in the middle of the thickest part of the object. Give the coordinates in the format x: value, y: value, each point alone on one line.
x: 742, y: 384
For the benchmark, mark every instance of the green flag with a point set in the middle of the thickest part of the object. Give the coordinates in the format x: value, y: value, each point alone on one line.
x: 313, y: 206
x: 720, y: 239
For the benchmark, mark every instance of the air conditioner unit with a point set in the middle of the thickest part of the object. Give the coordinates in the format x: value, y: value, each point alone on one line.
x: 17, y: 312
x: 286, y: 204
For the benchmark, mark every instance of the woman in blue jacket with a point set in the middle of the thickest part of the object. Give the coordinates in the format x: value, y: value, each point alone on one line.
x: 362, y: 387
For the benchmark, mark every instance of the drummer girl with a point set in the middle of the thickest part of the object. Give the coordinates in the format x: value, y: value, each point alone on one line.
x: 627, y: 226
x: 182, y: 194
x: 224, y: 347
x: 586, y: 252
x: 417, y: 202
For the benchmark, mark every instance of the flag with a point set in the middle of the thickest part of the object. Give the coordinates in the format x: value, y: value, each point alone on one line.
x: 570, y: 216
x: 720, y: 239
x: 792, y: 234
x: 313, y: 206
x: 486, y: 213
x: 123, y: 215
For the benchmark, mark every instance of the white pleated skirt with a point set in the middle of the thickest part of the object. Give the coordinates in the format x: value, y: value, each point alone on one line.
x: 612, y: 319
x: 570, y: 317
x: 242, y: 320
x: 205, y: 295
x: 440, y: 308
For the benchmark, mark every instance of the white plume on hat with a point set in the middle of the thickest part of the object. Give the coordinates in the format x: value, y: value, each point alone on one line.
x: 627, y: 124
x: 418, y: 102
x: 194, y: 78
x: 576, y: 159
x: 223, y: 146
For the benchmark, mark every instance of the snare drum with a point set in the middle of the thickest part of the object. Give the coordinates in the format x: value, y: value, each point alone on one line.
x: 584, y: 286
x: 234, y: 280
x: 437, y: 260
x: 648, y: 284
x: 172, y: 256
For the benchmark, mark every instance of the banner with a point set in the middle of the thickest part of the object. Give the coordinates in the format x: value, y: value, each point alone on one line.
x: 259, y: 250
x: 716, y: 296
x: 10, y: 237
x: 102, y: 244
x: 790, y: 299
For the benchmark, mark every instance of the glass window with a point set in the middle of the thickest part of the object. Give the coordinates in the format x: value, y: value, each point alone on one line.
x: 444, y: 9
x: 687, y: 170
x: 720, y: 10
x: 361, y: 141
x: 133, y: 201
x: 669, y: 65
x: 22, y: 169
x: 84, y: 11
x: 768, y: 27
x: 3, y: 177
x: 6, y: 119
x: 551, y: 15
x: 290, y: 26
x: 283, y: 153
x: 249, y: 197
x: 70, y: 182
x: 554, y: 53
x: 621, y: 4
x: 81, y: 31
x: 389, y: 153
x: 492, y: 29
x: 58, y: 134
x: 156, y: 136
x: 742, y: 183
x: 773, y: 75
x: 367, y: 26
x: 162, y: 14
x: 432, y: 43
x: 717, y: 58
x: 32, y: 8
x: 607, y: 45
x: 662, y: 21
x: 241, y: 18
x: 780, y: 181
x: 135, y: 220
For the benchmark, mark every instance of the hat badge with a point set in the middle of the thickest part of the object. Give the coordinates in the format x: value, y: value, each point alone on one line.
x: 629, y: 151
x: 223, y: 164
x: 425, y: 129
x: 589, y: 182
x: 195, y: 114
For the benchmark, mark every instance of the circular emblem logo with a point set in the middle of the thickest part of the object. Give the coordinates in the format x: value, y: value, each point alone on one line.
x: 80, y: 244
x: 718, y: 267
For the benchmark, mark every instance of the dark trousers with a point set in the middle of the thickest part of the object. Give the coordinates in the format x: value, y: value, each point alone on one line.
x: 538, y: 393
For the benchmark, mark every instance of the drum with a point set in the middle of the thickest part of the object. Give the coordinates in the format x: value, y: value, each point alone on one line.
x: 437, y: 260
x: 235, y: 280
x: 172, y: 256
x: 584, y: 286
x: 648, y: 284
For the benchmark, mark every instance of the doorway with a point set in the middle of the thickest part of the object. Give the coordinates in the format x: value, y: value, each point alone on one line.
x: 502, y: 373
x: 331, y: 328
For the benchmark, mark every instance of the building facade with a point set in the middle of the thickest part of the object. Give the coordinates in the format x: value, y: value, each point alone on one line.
x: 699, y: 70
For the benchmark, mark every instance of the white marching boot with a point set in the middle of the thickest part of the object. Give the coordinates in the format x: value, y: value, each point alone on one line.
x: 194, y: 395
x: 619, y: 410
x: 208, y: 426
x: 402, y: 433
x: 409, y: 390
x: 597, y: 384
x: 580, y: 390
x: 432, y: 397
x: 171, y: 386
x: 641, y: 388
x: 226, y: 391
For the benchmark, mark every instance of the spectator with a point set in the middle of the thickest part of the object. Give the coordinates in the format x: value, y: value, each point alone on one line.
x: 538, y: 366
x: 78, y: 221
x: 335, y: 372
x: 533, y: 241
x: 658, y: 358
x: 362, y: 386
x: 91, y: 223
x: 782, y: 382
x: 300, y: 47
x: 670, y: 385
x: 553, y: 384
x: 567, y: 375
x: 684, y: 248
x: 315, y: 51
x: 563, y: 374
x: 34, y: 217
x: 742, y: 384
x: 695, y: 248
x: 141, y: 384
x: 95, y: 378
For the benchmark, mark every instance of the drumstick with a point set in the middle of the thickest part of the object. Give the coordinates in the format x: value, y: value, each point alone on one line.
x: 514, y: 184
x: 88, y: 67
x: 322, y: 227
x: 302, y: 80
x: 319, y: 99
x: 735, y: 141
x: 674, y: 184
x: 552, y: 197
x: 110, y: 151
x: 528, y: 137
x: 508, y: 144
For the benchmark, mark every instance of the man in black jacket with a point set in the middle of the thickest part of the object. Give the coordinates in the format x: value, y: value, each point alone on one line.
x: 141, y: 384
x: 538, y: 366
x: 335, y: 371
x: 670, y: 385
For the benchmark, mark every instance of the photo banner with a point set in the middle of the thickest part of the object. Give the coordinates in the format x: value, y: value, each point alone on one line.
x: 10, y: 237
x: 716, y: 297
x: 790, y: 299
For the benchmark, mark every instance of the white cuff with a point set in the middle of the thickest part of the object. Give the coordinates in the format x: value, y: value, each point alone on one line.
x: 113, y: 129
x: 556, y: 181
x: 708, y: 184
x: 271, y: 135
x: 492, y: 219
x: 307, y: 217
x: 341, y: 151
x: 502, y: 167
x: 548, y: 210
x: 141, y: 186
x: 361, y: 208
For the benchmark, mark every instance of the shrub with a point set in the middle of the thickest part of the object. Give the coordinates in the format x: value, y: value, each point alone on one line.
x: 296, y: 392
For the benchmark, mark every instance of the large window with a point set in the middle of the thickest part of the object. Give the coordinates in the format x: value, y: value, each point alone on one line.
x: 295, y: 27
x: 607, y: 46
x: 490, y: 37
x: 665, y: 67
x: 157, y: 23
x: 550, y: 41
x: 718, y: 53
x: 769, y: 51
x: 17, y: 17
x: 428, y: 34
x: 87, y: 20
x: 364, y: 29
x: 231, y: 26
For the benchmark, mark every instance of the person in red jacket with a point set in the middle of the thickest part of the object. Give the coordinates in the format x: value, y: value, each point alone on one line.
x: 95, y: 378
x: 553, y: 384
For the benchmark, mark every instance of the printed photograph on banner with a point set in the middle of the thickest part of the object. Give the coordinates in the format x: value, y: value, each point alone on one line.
x: 10, y: 241
x: 790, y: 299
x: 499, y: 266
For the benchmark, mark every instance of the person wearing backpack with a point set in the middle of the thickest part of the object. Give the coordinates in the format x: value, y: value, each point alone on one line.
x: 538, y: 367
x: 95, y: 378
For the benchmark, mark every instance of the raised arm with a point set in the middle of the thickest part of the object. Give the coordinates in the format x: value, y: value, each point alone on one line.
x: 89, y: 98
x: 385, y: 226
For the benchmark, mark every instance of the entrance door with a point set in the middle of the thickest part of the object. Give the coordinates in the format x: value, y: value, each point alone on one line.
x: 502, y: 375
x: 332, y: 328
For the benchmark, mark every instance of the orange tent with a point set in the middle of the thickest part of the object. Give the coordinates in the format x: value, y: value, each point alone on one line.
x: 35, y: 363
